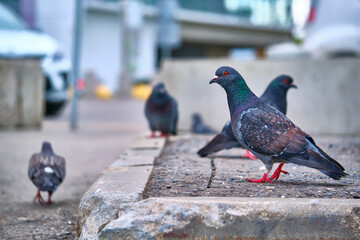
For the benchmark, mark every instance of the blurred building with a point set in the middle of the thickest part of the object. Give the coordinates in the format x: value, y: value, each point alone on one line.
x: 126, y: 39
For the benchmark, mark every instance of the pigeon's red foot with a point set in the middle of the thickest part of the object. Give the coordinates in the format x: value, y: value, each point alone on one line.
x: 261, y: 180
x: 38, y: 197
x: 152, y: 135
x: 249, y: 155
x: 277, y: 172
x: 48, y: 201
x: 163, y: 134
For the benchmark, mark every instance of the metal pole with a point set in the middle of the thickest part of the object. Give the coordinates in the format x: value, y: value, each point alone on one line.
x: 76, y: 52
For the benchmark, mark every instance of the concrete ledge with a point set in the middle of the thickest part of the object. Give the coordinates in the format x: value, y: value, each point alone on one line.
x: 123, y: 182
x: 114, y: 207
x: 235, y: 218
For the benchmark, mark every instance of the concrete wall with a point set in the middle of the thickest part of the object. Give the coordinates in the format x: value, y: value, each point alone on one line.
x: 327, y: 100
x: 21, y: 93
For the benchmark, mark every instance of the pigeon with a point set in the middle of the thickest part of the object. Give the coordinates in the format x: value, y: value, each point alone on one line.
x: 269, y: 134
x: 198, y: 126
x: 274, y: 95
x: 46, y: 171
x: 161, y: 111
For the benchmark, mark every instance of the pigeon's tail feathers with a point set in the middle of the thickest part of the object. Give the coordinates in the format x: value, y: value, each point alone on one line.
x: 318, y: 159
x: 48, y: 182
x: 218, y: 143
x: 322, y: 153
x: 330, y: 166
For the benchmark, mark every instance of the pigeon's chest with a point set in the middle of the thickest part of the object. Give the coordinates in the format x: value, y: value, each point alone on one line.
x: 160, y: 108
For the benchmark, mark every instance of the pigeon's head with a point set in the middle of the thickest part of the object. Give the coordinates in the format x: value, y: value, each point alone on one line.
x: 196, y: 118
x: 225, y: 76
x: 284, y: 81
x: 159, y: 89
x: 46, y: 147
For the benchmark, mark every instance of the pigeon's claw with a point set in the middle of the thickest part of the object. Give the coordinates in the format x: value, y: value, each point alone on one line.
x: 48, y: 201
x: 249, y: 155
x: 261, y: 180
x: 38, y: 197
x: 152, y: 135
x: 163, y: 134
x: 277, y: 172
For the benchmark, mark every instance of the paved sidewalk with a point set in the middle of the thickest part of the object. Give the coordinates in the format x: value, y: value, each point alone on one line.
x: 106, y: 128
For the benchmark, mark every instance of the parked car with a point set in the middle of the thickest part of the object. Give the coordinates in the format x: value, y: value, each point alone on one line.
x: 18, y: 41
x: 324, y: 28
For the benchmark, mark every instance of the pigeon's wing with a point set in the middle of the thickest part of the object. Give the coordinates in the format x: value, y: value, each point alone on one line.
x: 269, y: 132
x: 218, y: 143
x: 35, y: 164
x: 58, y: 163
x: 224, y: 140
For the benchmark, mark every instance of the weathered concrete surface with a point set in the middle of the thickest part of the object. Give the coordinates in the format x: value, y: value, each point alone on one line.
x: 124, y: 181
x: 327, y: 91
x: 235, y: 218
x: 21, y: 93
x: 115, y: 208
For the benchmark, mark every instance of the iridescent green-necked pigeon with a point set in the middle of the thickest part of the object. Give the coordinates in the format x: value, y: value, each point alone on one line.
x: 274, y: 95
x: 269, y: 134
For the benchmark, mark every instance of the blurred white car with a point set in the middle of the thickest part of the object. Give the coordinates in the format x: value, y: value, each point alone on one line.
x: 326, y: 29
x: 18, y: 41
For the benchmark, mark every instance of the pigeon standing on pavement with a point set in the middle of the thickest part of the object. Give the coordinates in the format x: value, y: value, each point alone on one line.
x: 269, y: 134
x: 274, y: 95
x: 198, y: 126
x: 161, y: 111
x: 47, y: 171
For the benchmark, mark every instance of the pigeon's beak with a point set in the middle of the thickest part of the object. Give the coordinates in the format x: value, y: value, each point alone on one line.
x: 292, y: 85
x: 214, y: 80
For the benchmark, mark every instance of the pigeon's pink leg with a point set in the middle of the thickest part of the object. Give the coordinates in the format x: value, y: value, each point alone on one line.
x: 261, y: 180
x: 277, y: 172
x: 38, y: 197
x: 152, y: 135
x: 49, y: 200
x: 163, y: 134
x: 249, y: 155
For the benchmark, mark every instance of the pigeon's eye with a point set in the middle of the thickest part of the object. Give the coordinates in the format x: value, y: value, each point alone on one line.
x: 286, y: 81
x: 225, y: 73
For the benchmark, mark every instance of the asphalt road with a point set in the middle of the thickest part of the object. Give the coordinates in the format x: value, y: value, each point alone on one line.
x: 105, y: 129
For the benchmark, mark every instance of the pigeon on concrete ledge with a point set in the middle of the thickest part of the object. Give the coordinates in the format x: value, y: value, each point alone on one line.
x: 274, y: 95
x: 269, y: 134
x: 198, y: 126
x: 161, y: 111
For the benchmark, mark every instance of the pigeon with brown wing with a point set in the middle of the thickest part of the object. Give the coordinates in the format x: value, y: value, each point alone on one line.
x: 274, y: 95
x: 46, y: 171
x: 269, y: 134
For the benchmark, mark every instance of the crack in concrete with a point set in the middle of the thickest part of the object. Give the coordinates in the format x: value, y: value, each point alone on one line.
x: 213, y: 171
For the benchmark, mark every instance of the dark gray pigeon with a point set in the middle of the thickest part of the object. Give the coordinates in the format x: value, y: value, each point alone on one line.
x: 47, y: 171
x: 161, y: 111
x: 269, y: 134
x: 274, y: 95
x: 198, y: 126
